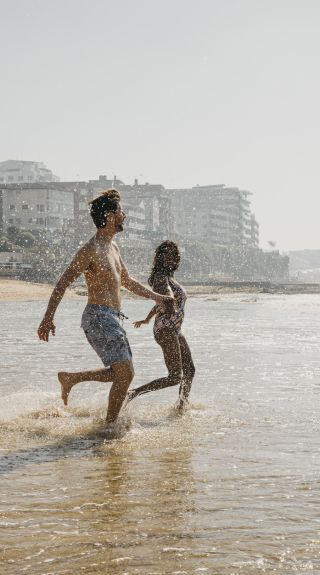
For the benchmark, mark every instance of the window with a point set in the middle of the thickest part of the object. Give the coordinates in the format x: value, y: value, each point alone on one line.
x: 10, y: 178
x: 12, y: 207
x: 25, y: 206
x: 30, y: 220
x: 10, y: 220
x: 40, y: 207
x: 40, y: 221
x: 18, y: 221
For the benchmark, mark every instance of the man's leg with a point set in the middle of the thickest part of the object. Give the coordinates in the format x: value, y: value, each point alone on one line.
x: 122, y: 376
x: 69, y: 379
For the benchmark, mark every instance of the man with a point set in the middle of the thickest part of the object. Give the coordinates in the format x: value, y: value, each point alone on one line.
x: 104, y: 271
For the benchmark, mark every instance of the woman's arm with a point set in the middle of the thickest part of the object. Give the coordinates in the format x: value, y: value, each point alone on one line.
x: 151, y: 313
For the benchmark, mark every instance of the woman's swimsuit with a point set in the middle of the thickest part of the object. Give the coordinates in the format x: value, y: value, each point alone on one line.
x: 175, y: 321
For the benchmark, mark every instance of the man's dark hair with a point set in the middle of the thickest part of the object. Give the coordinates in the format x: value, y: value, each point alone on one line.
x: 99, y: 208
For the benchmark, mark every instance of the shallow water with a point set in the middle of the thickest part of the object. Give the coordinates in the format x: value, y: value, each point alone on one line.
x: 232, y: 486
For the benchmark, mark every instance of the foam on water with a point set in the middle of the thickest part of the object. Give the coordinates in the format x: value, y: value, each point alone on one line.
x: 42, y: 417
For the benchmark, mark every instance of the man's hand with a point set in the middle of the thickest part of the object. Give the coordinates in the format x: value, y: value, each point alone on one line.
x: 167, y: 304
x: 163, y: 299
x: 44, y: 329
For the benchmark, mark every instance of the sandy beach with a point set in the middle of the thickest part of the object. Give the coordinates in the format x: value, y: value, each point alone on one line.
x: 18, y: 290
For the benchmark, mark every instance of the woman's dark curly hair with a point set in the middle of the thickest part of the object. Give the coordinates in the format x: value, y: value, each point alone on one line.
x: 158, y: 265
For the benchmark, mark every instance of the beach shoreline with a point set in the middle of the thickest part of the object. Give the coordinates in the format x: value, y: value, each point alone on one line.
x: 19, y: 290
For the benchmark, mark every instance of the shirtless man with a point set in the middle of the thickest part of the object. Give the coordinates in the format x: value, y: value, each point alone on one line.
x: 104, y: 271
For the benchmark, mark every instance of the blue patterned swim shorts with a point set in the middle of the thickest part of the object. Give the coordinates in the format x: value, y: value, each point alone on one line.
x: 104, y: 332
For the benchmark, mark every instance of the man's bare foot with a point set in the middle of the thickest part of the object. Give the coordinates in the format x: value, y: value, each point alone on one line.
x: 110, y: 422
x: 65, y: 381
x: 114, y: 429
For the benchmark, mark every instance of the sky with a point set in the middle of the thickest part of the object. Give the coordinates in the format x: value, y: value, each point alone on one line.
x: 177, y: 92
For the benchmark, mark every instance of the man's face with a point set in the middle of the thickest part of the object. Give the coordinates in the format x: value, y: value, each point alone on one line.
x: 119, y: 217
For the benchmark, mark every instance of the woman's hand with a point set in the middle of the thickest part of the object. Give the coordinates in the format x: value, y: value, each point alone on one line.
x: 140, y: 323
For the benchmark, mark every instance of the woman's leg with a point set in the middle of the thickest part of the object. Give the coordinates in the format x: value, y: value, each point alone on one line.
x: 169, y: 343
x: 187, y: 367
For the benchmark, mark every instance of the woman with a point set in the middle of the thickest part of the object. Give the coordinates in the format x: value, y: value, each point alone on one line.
x: 167, y: 330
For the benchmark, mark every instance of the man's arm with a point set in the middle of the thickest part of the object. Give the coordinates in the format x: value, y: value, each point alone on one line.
x: 78, y: 265
x: 137, y: 288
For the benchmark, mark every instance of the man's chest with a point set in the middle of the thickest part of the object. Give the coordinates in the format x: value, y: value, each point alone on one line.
x: 107, y: 264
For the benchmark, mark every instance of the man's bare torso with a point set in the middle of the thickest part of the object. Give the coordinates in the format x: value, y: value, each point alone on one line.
x: 103, y: 274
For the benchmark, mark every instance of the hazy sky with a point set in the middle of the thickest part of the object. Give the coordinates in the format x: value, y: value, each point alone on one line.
x: 178, y: 92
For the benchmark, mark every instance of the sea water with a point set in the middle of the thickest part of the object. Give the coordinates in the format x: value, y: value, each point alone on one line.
x: 230, y: 487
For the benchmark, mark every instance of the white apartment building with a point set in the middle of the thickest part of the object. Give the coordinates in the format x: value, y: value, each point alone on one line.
x: 158, y: 209
x: 18, y: 172
x: 254, y: 231
x: 36, y: 207
x: 216, y: 213
x: 147, y: 206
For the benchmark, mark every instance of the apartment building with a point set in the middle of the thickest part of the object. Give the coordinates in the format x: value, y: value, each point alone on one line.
x: 18, y: 172
x: 216, y: 213
x: 62, y: 207
x: 159, y: 222
x: 147, y: 207
x: 213, y: 213
x: 254, y: 231
x: 37, y: 207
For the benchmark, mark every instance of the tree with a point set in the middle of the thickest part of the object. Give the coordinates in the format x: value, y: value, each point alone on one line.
x: 26, y: 239
x: 12, y: 233
x: 20, y: 237
x: 6, y: 245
